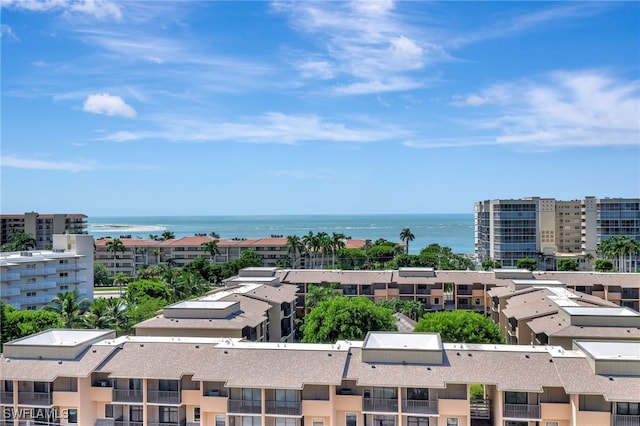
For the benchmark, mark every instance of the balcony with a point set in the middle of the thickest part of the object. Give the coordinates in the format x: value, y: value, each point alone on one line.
x: 13, y: 291
x: 285, y: 408
x: 241, y: 406
x: 522, y: 411
x: 461, y: 291
x: 6, y: 397
x: 39, y: 271
x: 127, y: 395
x: 127, y: 423
x: 480, y: 408
x: 625, y: 420
x: 419, y: 406
x: 9, y: 276
x: 379, y: 405
x: 180, y: 423
x: 163, y: 397
x: 35, y: 398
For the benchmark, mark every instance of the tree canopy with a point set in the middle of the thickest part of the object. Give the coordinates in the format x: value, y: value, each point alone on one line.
x: 460, y: 327
x: 527, y: 263
x: 567, y: 265
x: 16, y: 324
x: 19, y: 241
x: 347, y: 318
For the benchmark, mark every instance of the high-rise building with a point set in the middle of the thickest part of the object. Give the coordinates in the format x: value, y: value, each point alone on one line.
x: 42, y: 226
x: 30, y: 279
x: 548, y: 229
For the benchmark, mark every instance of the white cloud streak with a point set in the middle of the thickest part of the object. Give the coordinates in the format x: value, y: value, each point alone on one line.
x: 104, y: 103
x: 585, y: 108
x: 365, y: 41
x: 6, y: 31
x: 39, y: 164
x: 99, y: 9
x: 274, y: 127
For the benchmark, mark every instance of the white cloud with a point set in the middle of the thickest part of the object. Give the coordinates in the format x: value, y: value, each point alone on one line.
x: 38, y: 164
x: 365, y: 41
x: 99, y: 9
x: 565, y: 108
x: 6, y: 31
x: 104, y: 103
x: 274, y: 127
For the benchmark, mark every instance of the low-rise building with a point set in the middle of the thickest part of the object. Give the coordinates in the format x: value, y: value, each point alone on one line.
x: 90, y: 377
x: 30, y: 279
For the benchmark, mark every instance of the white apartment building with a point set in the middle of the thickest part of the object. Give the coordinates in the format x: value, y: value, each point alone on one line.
x: 42, y: 226
x: 548, y: 229
x: 30, y: 279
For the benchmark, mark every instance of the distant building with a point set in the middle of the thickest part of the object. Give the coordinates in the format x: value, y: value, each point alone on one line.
x: 548, y: 229
x: 30, y: 279
x: 42, y: 226
x: 92, y: 377
x: 180, y: 251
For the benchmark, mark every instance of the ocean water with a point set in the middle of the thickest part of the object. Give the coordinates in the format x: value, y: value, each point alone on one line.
x: 451, y: 230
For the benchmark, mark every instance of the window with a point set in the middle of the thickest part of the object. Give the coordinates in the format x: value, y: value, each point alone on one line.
x: 41, y: 387
x: 351, y: 419
x: 168, y: 414
x: 31, y: 293
x: 552, y: 423
x: 168, y: 385
x: 135, y: 384
x: 628, y: 408
x: 418, y: 393
x: 283, y: 421
x: 436, y: 300
x: 108, y: 411
x: 452, y: 421
x: 250, y: 394
x: 417, y: 421
x: 196, y: 414
x: 72, y: 415
x: 286, y: 395
x: 251, y: 421
x: 515, y: 397
x: 220, y: 420
x: 135, y: 413
x: 477, y: 301
x: 318, y: 422
x: 64, y: 287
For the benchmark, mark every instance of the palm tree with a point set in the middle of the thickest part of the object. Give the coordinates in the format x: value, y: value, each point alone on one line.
x: 118, y: 310
x: 214, y: 235
x: 168, y: 235
x: 211, y: 247
x: 309, y: 242
x: 337, y: 243
x: 407, y: 236
x: 115, y: 246
x: 294, y: 246
x: 119, y: 280
x: 69, y: 306
x: 98, y: 316
x: 322, y: 246
x: 158, y: 254
x: 19, y: 241
x: 153, y: 237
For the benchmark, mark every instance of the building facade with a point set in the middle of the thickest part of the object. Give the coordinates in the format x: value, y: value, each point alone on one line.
x: 91, y: 377
x: 42, y: 226
x: 548, y: 229
x: 140, y: 253
x: 29, y: 280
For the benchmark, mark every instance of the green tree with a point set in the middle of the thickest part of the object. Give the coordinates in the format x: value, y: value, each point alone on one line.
x: 317, y: 293
x: 336, y: 243
x: 211, y: 247
x: 99, y: 316
x: 70, y: 307
x: 411, y: 308
x: 114, y: 246
x: 407, y: 236
x: 147, y: 289
x: 352, y: 259
x: 168, y: 235
x: 19, y: 241
x: 489, y: 264
x: 17, y: 324
x: 214, y: 235
x: 100, y: 275
x: 460, y: 327
x: 603, y: 265
x: 295, y: 247
x: 121, y: 280
x: 202, y: 267
x: 567, y: 265
x: 527, y: 263
x: 345, y: 318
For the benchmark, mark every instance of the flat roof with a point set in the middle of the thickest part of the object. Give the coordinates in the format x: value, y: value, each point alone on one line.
x: 60, y: 337
x: 611, y: 350
x: 202, y: 304
x: 394, y: 340
x: 600, y: 311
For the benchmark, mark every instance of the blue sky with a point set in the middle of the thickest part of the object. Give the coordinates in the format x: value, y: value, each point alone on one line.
x: 211, y: 107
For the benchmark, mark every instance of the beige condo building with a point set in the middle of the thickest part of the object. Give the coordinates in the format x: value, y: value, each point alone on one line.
x: 42, y: 226
x: 91, y: 377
